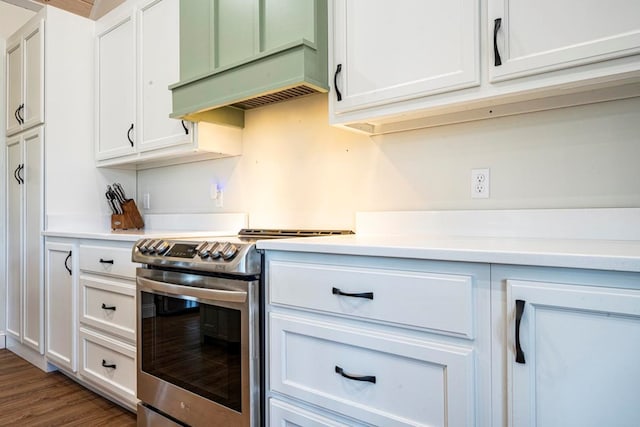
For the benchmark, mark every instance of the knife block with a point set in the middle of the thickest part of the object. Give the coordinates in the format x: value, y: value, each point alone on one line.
x: 130, y: 219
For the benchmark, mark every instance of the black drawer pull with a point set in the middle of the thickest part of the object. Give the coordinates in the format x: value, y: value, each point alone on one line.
x: 367, y: 295
x: 106, y: 261
x: 105, y: 307
x: 366, y: 378
x: 519, y: 312
x: 106, y: 365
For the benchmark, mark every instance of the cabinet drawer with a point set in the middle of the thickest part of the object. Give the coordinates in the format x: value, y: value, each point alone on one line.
x: 107, y: 260
x: 108, y: 305
x: 410, y: 382
x: 98, y: 350
x: 441, y: 302
x: 284, y: 414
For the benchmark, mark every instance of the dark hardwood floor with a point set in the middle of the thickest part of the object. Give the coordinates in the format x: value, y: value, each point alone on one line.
x: 30, y: 397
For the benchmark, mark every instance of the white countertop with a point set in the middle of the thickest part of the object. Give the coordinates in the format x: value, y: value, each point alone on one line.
x: 156, y: 226
x: 592, y: 254
x: 134, y: 235
x: 605, y: 238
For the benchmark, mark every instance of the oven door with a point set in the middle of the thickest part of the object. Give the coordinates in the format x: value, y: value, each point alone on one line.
x: 197, y: 347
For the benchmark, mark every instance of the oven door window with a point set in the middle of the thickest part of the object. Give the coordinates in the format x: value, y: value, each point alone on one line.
x: 193, y: 345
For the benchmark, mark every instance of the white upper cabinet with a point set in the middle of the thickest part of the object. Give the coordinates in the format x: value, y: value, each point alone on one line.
x: 116, y: 106
x: 386, y: 52
x: 158, y: 67
x: 138, y: 57
x: 410, y: 64
x: 546, y: 35
x: 25, y: 78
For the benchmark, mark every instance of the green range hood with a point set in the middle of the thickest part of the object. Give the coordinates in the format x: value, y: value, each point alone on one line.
x: 238, y: 55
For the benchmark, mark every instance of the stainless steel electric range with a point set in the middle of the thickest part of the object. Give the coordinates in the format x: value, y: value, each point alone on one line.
x: 200, y: 329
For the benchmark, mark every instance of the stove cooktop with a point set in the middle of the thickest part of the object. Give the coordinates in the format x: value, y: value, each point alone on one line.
x: 234, y: 255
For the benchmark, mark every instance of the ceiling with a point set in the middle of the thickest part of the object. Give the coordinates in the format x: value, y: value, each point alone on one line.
x: 92, y: 9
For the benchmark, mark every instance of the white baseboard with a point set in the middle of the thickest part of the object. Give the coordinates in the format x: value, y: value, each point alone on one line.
x: 3, y: 341
x: 36, y: 359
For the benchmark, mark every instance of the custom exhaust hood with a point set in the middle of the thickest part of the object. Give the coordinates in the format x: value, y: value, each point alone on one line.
x: 235, y: 56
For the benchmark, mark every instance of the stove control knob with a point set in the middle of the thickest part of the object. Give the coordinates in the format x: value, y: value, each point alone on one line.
x: 215, y: 249
x: 203, y: 249
x: 162, y: 247
x: 151, y: 246
x: 229, y: 251
x: 142, y: 246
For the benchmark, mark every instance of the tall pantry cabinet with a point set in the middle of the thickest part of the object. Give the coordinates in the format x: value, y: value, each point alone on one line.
x: 48, y: 71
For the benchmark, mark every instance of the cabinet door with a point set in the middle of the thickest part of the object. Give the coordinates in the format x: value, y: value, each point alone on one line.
x: 33, y: 51
x: 159, y: 66
x: 546, y: 35
x: 384, y: 53
x: 579, y: 362
x: 60, y: 305
x: 14, y: 238
x: 33, y: 301
x: 116, y: 133
x: 14, y: 85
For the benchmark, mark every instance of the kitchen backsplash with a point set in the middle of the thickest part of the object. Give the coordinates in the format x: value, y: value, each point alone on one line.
x: 297, y: 171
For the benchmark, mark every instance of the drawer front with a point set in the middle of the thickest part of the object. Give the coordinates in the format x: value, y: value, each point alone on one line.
x: 107, y: 260
x: 108, y: 305
x: 440, y: 302
x: 118, y: 377
x: 284, y: 414
x: 401, y: 382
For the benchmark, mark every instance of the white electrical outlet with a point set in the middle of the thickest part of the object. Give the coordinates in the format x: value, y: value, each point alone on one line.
x: 480, y: 183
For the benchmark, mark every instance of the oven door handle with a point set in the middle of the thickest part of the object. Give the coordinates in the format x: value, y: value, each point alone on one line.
x: 219, y: 295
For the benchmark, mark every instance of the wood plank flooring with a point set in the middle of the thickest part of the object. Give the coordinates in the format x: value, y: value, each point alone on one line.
x: 30, y: 397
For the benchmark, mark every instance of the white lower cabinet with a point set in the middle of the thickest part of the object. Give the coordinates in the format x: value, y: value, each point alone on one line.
x: 376, y: 341
x: 570, y: 347
x: 61, y: 304
x: 91, y: 314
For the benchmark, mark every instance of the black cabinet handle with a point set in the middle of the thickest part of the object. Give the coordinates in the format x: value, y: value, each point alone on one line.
x: 367, y: 295
x: 184, y: 126
x: 20, y: 169
x: 519, y: 312
x: 129, y: 135
x: 496, y: 53
x: 15, y: 114
x: 66, y: 263
x: 366, y: 378
x: 106, y: 261
x: 15, y: 174
x: 335, y: 82
x: 106, y: 365
x: 19, y: 116
x: 105, y: 307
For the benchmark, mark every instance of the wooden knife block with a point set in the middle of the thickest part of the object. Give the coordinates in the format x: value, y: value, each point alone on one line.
x: 130, y: 219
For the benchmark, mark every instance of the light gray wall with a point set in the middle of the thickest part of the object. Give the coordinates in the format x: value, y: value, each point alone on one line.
x: 297, y: 171
x: 11, y: 18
